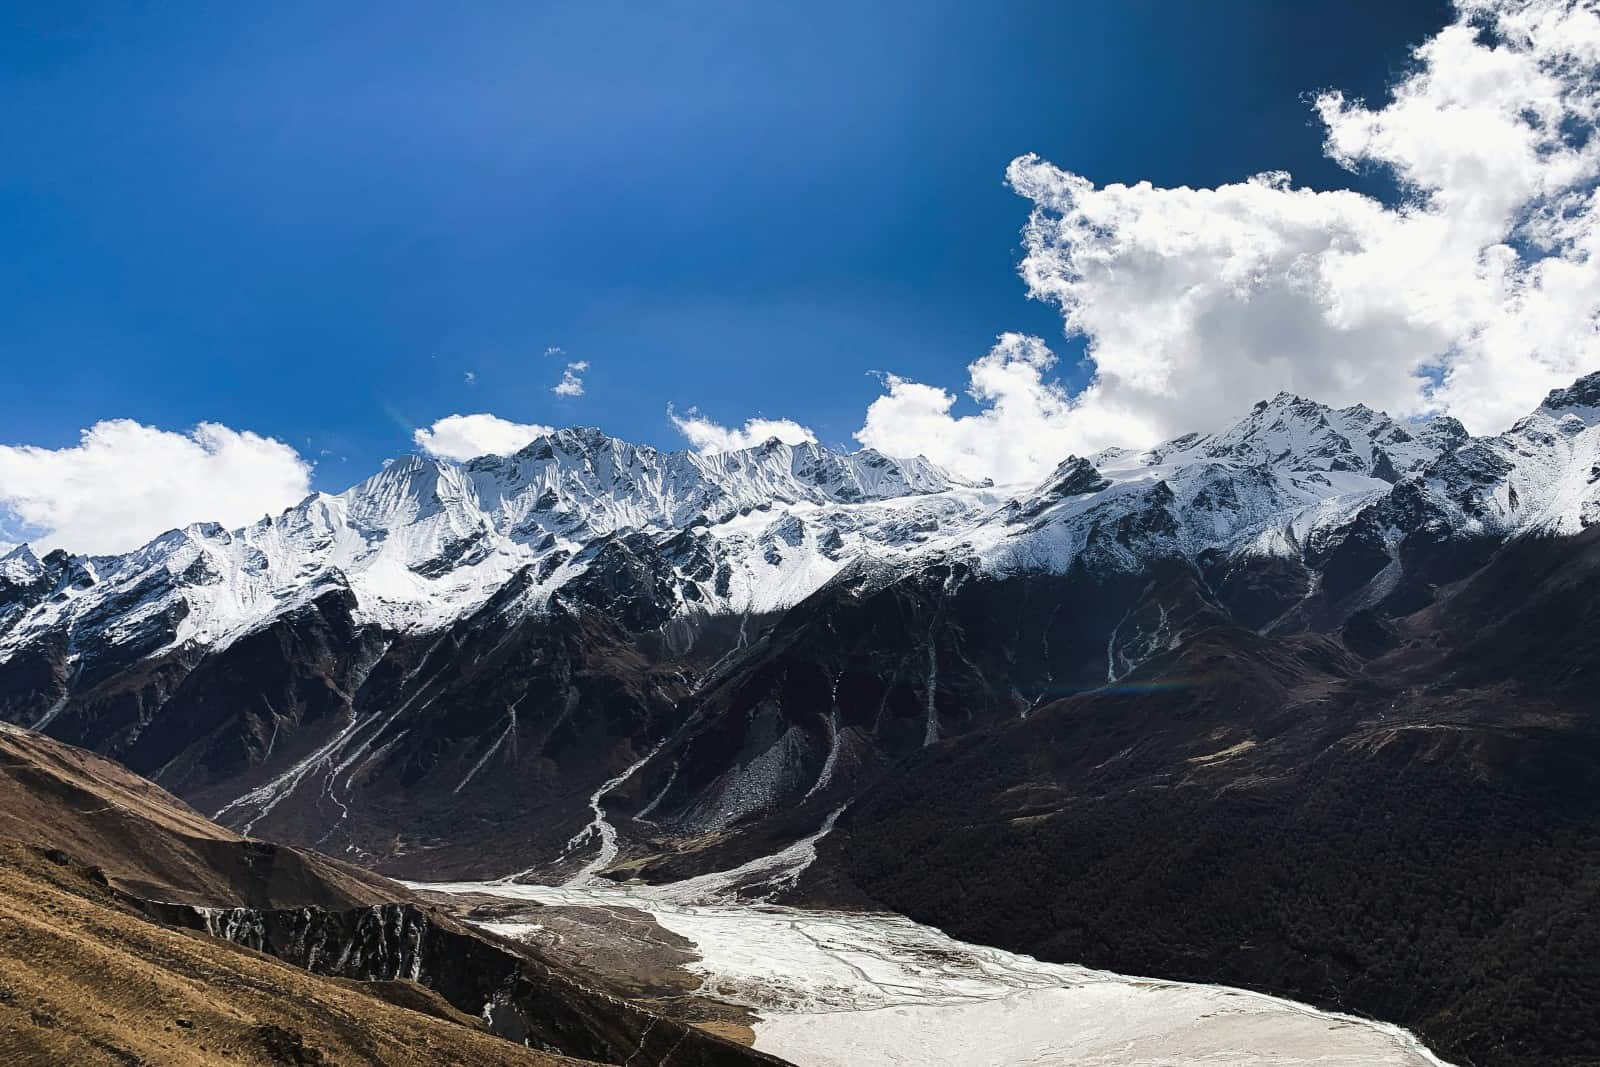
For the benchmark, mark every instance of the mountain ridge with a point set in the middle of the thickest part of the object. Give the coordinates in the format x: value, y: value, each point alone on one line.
x: 424, y: 541
x: 220, y: 662
x: 615, y: 696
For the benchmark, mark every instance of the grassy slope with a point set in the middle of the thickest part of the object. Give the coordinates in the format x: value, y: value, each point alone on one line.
x: 85, y: 980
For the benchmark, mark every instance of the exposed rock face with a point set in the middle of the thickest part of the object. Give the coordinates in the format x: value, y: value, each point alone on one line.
x: 88, y: 980
x: 1395, y: 819
x: 518, y: 998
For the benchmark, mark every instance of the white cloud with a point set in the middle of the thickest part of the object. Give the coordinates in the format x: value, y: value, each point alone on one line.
x: 464, y: 437
x: 571, y: 383
x: 708, y: 436
x: 1025, y: 424
x: 124, y: 483
x: 1475, y: 296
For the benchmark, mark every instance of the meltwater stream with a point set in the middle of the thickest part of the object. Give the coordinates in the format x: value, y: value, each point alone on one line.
x: 837, y: 989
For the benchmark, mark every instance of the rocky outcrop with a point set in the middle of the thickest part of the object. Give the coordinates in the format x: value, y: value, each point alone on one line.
x: 115, y: 841
x: 518, y: 998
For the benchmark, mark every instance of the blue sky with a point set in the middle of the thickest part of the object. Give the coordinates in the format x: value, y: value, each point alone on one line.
x: 312, y: 221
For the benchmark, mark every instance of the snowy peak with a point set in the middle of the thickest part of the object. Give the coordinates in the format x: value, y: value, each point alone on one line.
x: 20, y: 566
x: 580, y: 483
x: 1542, y: 475
x: 1072, y: 477
x: 813, y: 473
x: 1295, y: 434
x: 1582, y: 396
x: 1267, y: 484
x: 425, y: 542
x: 1442, y: 433
x: 407, y: 490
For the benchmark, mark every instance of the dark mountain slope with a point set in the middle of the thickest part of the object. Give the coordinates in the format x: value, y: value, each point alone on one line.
x: 858, y: 678
x: 485, y: 739
x: 1415, y: 836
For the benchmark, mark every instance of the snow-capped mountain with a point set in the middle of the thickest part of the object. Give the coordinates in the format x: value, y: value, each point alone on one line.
x: 1542, y: 475
x: 592, y: 659
x: 442, y: 628
x: 424, y: 541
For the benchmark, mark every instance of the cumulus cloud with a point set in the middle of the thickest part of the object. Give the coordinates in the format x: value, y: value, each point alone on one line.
x: 124, y: 483
x: 1025, y: 424
x: 571, y: 383
x: 462, y: 437
x: 706, y: 435
x: 1475, y: 295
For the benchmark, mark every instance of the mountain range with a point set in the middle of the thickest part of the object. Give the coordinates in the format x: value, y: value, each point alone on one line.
x: 1303, y: 705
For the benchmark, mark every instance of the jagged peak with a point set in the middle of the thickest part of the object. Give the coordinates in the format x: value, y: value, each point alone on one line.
x: 592, y: 439
x: 1292, y: 403
x: 1444, y: 431
x: 1302, y: 434
x: 1582, y: 393
x: 397, y: 470
x: 425, y: 538
x: 583, y: 445
x: 22, y: 553
x: 1073, y: 476
x: 20, y: 565
x: 209, y: 531
x: 1285, y: 399
x: 57, y: 557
